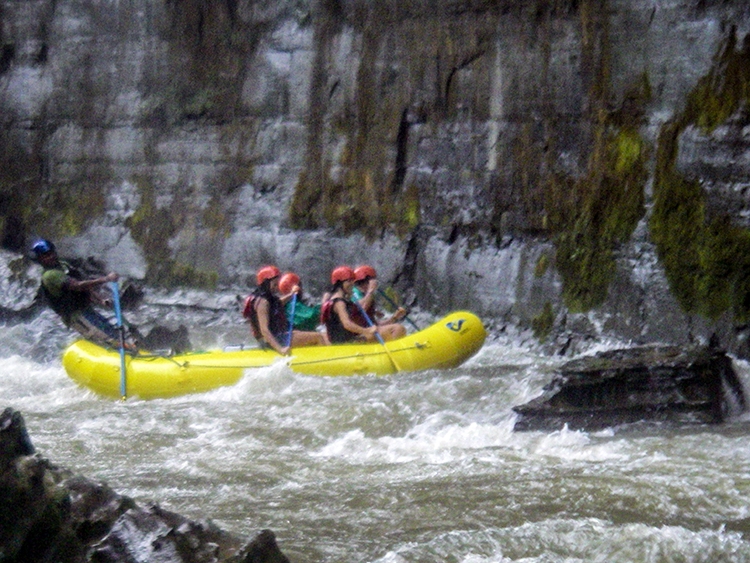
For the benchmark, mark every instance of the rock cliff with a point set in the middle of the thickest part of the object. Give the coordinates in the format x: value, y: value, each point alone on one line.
x: 577, y: 167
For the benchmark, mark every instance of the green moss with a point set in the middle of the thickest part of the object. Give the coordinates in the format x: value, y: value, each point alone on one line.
x: 590, y: 215
x: 366, y: 198
x: 210, y: 43
x: 706, y: 259
x: 542, y: 323
x: 68, y: 210
x: 184, y: 274
x: 723, y: 90
x: 542, y: 265
x: 411, y: 214
x: 602, y: 214
x: 215, y: 217
x: 628, y: 150
x: 153, y: 228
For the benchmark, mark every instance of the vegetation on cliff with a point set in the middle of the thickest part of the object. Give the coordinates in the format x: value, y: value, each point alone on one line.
x: 590, y: 215
x: 706, y: 258
x: 399, y: 108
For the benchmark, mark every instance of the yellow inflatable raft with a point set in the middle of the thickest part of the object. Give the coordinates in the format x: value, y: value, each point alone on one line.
x: 446, y: 344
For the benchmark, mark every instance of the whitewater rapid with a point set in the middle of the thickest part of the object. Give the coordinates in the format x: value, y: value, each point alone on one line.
x: 417, y: 467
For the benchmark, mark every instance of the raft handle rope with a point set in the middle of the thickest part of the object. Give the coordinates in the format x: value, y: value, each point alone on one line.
x: 186, y: 363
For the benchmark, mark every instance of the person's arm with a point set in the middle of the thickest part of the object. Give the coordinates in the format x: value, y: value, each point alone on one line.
x: 86, y: 285
x: 367, y: 300
x: 265, y: 330
x: 346, y: 321
x: 397, y: 315
x: 287, y: 296
x: 91, y: 286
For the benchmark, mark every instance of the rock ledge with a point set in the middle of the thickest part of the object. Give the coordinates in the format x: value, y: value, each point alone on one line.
x: 654, y: 384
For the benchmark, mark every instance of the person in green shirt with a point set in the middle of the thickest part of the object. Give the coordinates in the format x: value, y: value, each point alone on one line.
x: 306, y: 316
x: 73, y: 298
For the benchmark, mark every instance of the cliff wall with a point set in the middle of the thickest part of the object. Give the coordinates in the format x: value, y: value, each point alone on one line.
x: 577, y: 167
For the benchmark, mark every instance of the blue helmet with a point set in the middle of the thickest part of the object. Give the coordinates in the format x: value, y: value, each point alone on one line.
x: 42, y: 246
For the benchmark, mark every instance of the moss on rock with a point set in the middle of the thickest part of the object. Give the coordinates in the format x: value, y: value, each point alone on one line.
x: 706, y: 259
x: 153, y: 227
x: 592, y: 215
x: 605, y: 209
x: 543, y: 322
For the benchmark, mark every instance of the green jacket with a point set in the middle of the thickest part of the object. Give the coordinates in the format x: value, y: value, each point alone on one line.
x: 306, y: 317
x: 62, y: 300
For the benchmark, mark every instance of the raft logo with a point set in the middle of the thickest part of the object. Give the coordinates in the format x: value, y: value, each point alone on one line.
x: 456, y: 325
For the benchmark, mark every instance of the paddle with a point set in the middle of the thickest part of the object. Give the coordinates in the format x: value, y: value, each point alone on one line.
x: 291, y: 320
x: 121, y: 330
x: 383, y: 293
x: 377, y: 335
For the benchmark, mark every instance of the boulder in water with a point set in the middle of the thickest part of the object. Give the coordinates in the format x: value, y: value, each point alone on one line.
x: 50, y: 514
x: 655, y: 384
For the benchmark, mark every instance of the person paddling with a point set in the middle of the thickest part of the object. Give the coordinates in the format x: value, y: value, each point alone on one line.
x: 265, y: 310
x: 305, y: 316
x: 363, y: 292
x: 73, y: 298
x: 342, y: 317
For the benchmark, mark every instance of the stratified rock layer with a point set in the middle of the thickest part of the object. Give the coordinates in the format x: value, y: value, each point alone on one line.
x: 572, y: 166
x: 663, y: 384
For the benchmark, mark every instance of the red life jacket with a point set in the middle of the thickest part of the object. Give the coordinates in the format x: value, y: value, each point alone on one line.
x: 277, y: 314
x: 248, y: 311
x: 336, y: 331
x: 325, y: 311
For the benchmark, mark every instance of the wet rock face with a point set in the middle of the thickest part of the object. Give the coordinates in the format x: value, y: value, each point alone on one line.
x: 458, y: 145
x: 665, y: 384
x: 49, y: 514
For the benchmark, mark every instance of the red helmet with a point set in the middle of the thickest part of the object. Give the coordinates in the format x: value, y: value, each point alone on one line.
x: 361, y: 273
x: 267, y: 273
x: 342, y: 273
x: 288, y: 281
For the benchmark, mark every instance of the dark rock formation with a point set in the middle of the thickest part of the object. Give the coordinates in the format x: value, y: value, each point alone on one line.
x: 47, y: 514
x: 656, y: 384
x: 14, y: 235
x: 493, y: 155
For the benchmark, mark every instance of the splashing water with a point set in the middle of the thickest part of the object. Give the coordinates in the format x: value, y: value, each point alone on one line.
x: 418, y: 467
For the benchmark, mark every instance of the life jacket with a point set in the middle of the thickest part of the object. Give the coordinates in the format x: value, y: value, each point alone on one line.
x: 336, y: 331
x: 277, y: 321
x: 68, y: 302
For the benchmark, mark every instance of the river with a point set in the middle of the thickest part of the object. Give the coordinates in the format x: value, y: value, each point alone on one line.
x: 420, y: 467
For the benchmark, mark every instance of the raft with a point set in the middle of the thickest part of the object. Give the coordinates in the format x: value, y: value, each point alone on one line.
x: 446, y: 344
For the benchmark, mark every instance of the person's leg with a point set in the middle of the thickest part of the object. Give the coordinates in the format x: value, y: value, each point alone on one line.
x: 93, y: 326
x: 392, y: 331
x: 307, y: 338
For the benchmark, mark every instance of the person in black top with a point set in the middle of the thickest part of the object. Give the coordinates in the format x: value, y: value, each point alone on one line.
x: 267, y: 315
x: 343, y: 318
x: 365, y: 286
